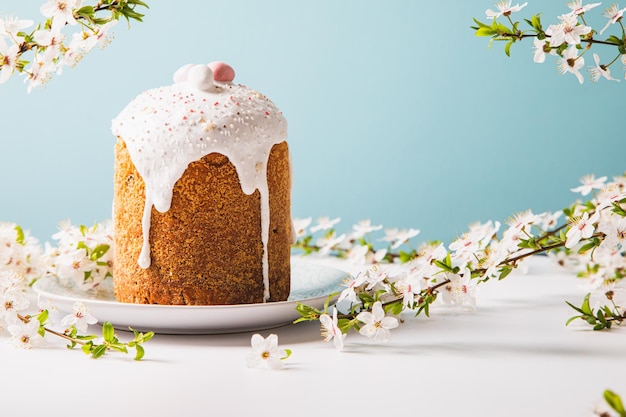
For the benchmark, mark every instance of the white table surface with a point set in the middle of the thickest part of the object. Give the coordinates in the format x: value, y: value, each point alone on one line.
x: 512, y: 357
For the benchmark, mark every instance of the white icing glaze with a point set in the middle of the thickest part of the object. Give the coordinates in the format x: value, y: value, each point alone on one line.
x: 167, y: 128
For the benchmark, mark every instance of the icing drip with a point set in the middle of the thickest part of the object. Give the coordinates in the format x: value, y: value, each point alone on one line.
x: 165, y: 129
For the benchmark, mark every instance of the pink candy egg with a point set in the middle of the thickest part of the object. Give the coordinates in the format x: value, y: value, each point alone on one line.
x: 222, y: 72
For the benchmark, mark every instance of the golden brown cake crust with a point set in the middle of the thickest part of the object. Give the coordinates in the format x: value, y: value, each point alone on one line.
x: 207, y: 248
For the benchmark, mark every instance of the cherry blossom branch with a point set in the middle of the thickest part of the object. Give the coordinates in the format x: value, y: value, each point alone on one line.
x: 47, y: 42
x: 594, y: 231
x: 26, y: 319
x: 110, y: 341
x: 563, y: 39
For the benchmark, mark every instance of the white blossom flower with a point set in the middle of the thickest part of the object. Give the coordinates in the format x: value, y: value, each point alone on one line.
x: 409, y: 284
x: 84, y: 256
x: 39, y: 73
x: 429, y: 252
x: 599, y: 70
x: 10, y: 281
x: 72, y: 265
x: 578, y: 8
x: 540, y: 50
x: 265, y: 352
x: 364, y: 227
x: 460, y: 291
x: 8, y: 60
x: 568, y: 31
x: 615, y: 233
x: 331, y: 330
x: 351, y: 285
x: 571, y: 62
x: 10, y: 26
x: 376, y: 323
x: 375, y: 278
x: 325, y: 223
x: 468, y: 243
x: 504, y: 9
x: 25, y: 335
x: 548, y: 220
x: 83, y: 42
x: 361, y: 255
x: 20, y: 254
x: 80, y: 318
x: 61, y: 11
x: 12, y: 301
x: 300, y: 226
x: 522, y: 220
x: 614, y: 14
x: 52, y: 41
x: 609, y: 195
x: 398, y: 237
x: 68, y: 234
x: 488, y: 229
x: 328, y: 242
x: 580, y: 228
x: 589, y: 183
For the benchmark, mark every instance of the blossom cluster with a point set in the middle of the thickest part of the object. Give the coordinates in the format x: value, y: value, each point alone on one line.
x: 20, y: 254
x: 568, y: 39
x: 28, y: 330
x: 71, y: 29
x: 589, y: 237
x: 82, y: 260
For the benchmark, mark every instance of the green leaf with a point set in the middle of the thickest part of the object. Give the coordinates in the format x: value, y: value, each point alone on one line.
x: 615, y: 402
x: 139, y: 352
x: 505, y: 271
x: 87, y: 348
x: 574, y: 307
x: 481, y: 24
x: 287, y: 354
x: 405, y: 256
x: 396, y: 308
x: 21, y: 238
x: 98, y: 351
x: 99, y: 251
x: 536, y: 22
x: 85, y: 337
x: 507, y: 48
x: 139, y: 3
x: 43, y: 317
x: 108, y: 332
x: 485, y: 31
x: 571, y: 319
x: 141, y: 337
x: 328, y: 299
x: 308, y: 313
x: 589, y: 245
x: 585, y: 307
x: 120, y: 347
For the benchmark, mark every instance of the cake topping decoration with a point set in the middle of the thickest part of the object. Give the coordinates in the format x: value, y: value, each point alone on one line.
x: 222, y: 72
x: 203, y: 77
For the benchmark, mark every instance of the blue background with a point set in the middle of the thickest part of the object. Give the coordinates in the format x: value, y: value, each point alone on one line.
x: 396, y: 111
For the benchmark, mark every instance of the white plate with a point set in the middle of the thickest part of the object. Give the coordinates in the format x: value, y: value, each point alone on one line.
x: 310, y: 284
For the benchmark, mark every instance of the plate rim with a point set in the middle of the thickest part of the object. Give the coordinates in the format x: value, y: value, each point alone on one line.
x: 199, y: 319
x: 46, y: 293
